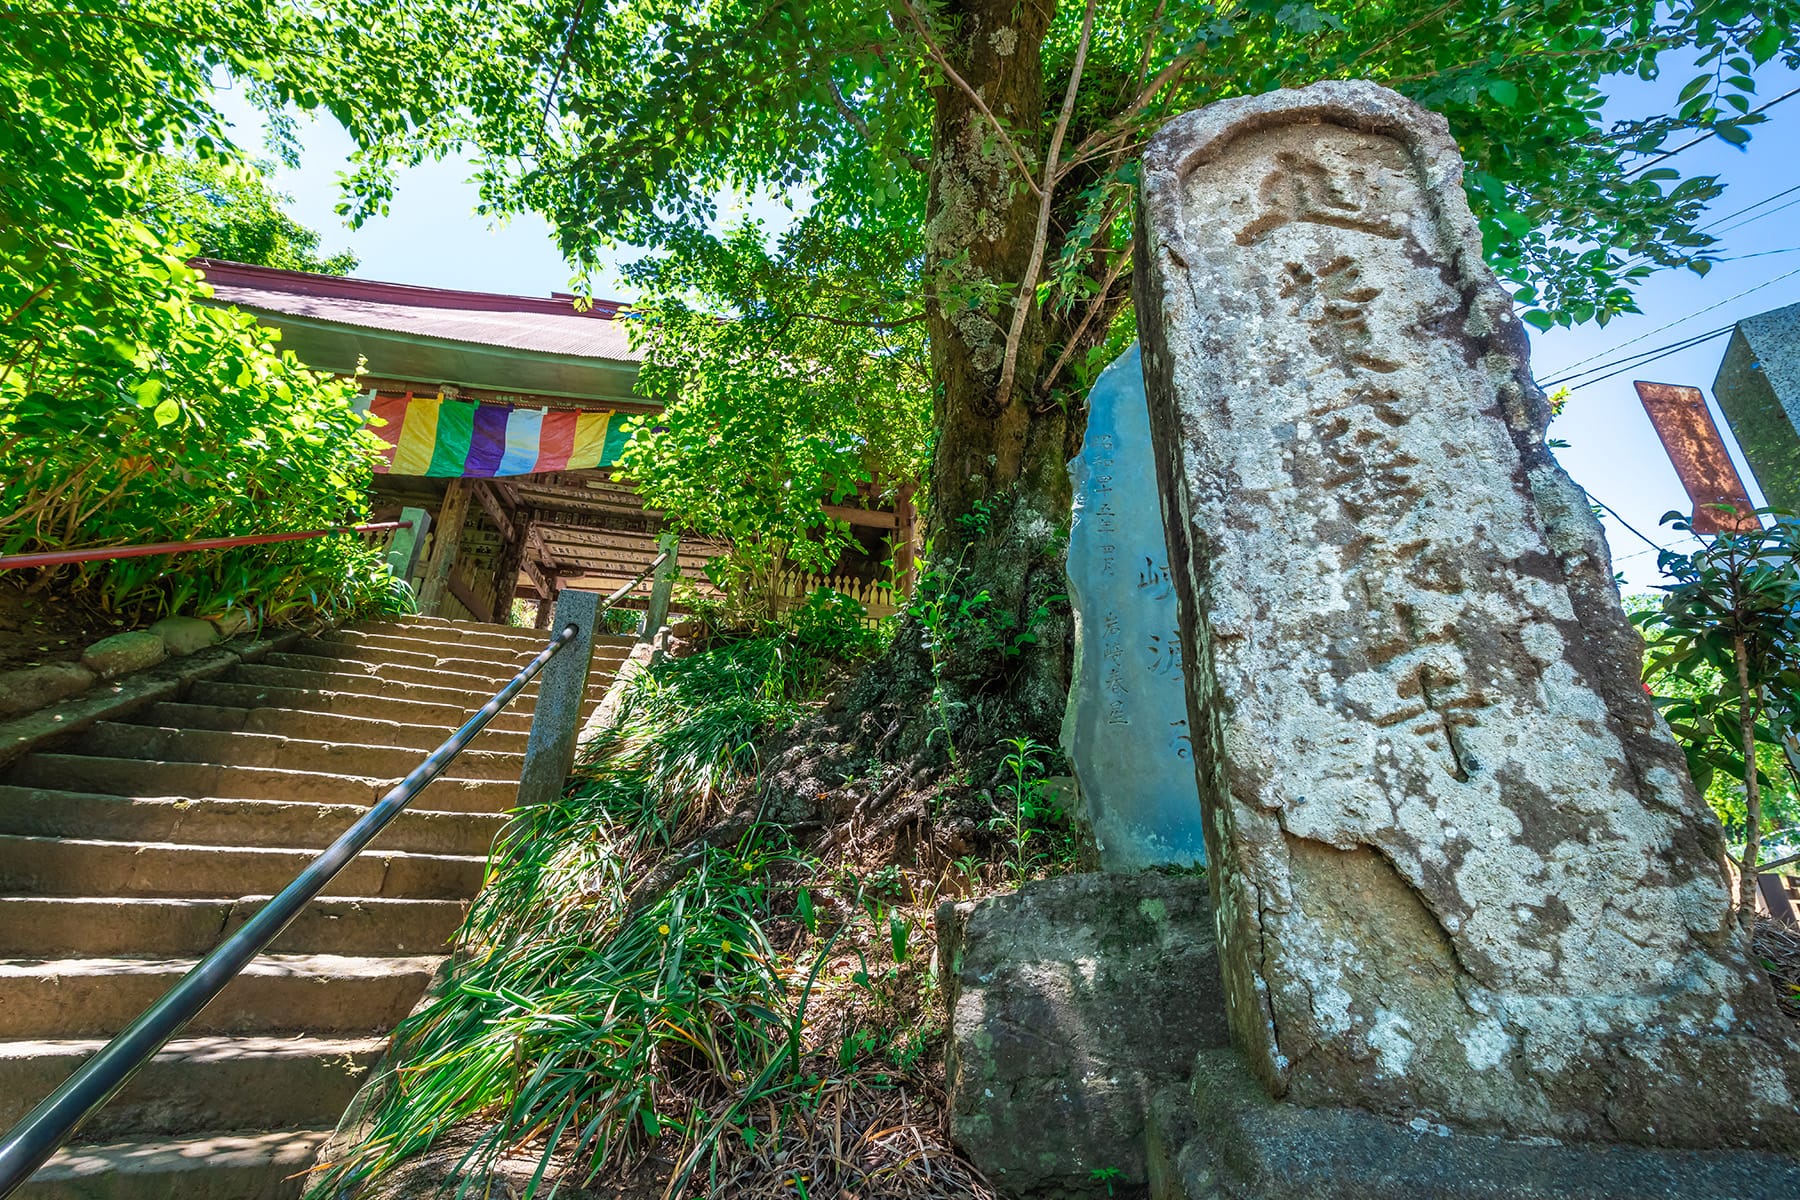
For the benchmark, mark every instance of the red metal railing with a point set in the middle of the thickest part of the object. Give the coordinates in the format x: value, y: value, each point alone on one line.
x: 57, y: 558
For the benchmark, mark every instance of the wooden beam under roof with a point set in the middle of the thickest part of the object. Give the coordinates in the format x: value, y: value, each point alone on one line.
x: 489, y: 494
x: 538, y: 494
x: 617, y: 522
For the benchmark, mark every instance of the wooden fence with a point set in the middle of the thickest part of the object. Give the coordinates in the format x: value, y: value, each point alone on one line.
x: 793, y: 587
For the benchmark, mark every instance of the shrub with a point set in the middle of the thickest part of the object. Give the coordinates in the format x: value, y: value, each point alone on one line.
x: 130, y: 410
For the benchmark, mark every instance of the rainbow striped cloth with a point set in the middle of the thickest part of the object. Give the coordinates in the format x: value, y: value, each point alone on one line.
x: 458, y: 438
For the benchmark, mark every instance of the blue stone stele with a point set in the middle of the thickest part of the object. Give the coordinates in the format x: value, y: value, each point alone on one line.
x: 1126, y: 729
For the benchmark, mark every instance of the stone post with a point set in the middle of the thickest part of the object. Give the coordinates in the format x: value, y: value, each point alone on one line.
x: 1459, y: 868
x: 1758, y: 389
x: 562, y: 690
x: 403, y: 551
x: 662, y: 585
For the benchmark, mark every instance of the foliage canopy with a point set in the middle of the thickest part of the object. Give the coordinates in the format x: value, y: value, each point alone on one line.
x: 130, y: 410
x: 225, y: 210
x: 972, y: 163
x: 1727, y: 638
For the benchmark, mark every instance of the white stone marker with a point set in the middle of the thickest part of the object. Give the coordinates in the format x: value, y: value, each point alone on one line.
x: 1460, y: 871
x: 1126, y: 730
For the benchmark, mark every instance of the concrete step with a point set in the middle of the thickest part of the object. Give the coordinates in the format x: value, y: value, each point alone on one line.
x: 276, y: 993
x: 440, y: 631
x: 135, y: 777
x: 515, y: 719
x: 41, y: 812
x: 467, y: 698
x: 476, y: 676
x: 334, y: 676
x: 322, y: 727
x: 346, y: 646
x: 356, y: 645
x: 48, y: 927
x: 35, y: 866
x: 115, y: 739
x: 218, y: 1166
x: 201, y: 1083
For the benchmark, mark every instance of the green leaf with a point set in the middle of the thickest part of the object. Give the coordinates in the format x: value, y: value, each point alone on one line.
x: 167, y: 413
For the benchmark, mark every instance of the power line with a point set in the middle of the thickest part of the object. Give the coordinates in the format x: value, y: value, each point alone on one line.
x: 1569, y: 371
x: 1627, y: 524
x: 1711, y: 133
x: 1747, y: 208
x: 1757, y: 254
x: 1618, y: 366
x: 1759, y: 216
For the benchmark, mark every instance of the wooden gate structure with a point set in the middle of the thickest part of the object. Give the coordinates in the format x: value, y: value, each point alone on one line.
x: 504, y: 415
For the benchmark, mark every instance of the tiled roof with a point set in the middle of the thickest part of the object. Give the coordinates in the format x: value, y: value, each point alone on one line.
x: 546, y: 325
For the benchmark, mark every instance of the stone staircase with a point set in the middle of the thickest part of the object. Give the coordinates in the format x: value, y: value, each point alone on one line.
x: 132, y: 848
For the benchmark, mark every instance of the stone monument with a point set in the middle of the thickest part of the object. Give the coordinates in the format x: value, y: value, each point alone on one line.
x: 1460, y: 872
x: 1126, y: 730
x: 1758, y: 388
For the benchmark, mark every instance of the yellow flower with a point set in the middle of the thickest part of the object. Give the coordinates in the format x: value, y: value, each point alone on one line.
x: 725, y: 945
x: 663, y: 929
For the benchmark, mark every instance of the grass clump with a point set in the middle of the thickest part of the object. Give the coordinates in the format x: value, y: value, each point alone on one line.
x: 661, y: 989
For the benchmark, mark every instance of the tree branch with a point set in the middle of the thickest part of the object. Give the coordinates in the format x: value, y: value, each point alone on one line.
x: 562, y: 61
x: 1027, y: 286
x: 1120, y: 125
x: 861, y: 126
x: 1099, y: 301
x: 894, y: 324
x: 981, y: 105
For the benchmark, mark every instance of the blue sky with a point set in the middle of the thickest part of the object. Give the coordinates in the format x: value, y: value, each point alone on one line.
x: 432, y: 236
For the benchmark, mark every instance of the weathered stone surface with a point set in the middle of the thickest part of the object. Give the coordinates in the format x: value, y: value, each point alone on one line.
x: 124, y: 652
x: 1231, y: 1142
x: 30, y: 689
x: 1460, y: 869
x: 1071, y: 1003
x: 1126, y: 729
x: 1758, y: 387
x: 234, y: 622
x: 185, y: 635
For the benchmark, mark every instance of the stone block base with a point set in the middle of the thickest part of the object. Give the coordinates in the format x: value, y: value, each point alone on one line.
x: 1072, y: 1003
x: 1223, y: 1138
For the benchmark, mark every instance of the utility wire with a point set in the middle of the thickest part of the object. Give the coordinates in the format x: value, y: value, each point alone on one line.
x: 1711, y: 133
x: 1740, y: 212
x: 1679, y: 320
x: 1627, y: 524
x: 1759, y: 216
x: 1632, y: 362
x: 1679, y: 344
x: 1757, y: 254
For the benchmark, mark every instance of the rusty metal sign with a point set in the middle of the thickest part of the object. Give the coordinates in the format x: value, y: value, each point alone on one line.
x: 1699, y: 455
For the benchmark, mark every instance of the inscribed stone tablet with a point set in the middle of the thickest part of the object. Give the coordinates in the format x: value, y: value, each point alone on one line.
x: 1461, y: 870
x: 1127, y: 730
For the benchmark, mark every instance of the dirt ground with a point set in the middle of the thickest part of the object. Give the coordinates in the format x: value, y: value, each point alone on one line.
x: 34, y: 631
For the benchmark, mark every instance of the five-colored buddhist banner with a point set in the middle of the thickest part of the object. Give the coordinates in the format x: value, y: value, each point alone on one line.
x: 457, y: 438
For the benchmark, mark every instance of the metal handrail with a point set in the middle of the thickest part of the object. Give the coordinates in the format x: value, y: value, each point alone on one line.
x: 58, y: 558
x: 620, y: 593
x: 34, y: 1139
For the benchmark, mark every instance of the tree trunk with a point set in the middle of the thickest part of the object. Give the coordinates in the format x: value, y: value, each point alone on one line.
x: 1747, y: 713
x: 976, y: 670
